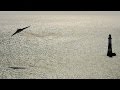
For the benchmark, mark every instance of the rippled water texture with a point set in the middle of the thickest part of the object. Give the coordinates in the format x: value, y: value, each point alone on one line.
x: 59, y: 46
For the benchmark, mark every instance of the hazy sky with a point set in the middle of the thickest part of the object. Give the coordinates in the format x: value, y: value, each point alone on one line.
x: 58, y: 12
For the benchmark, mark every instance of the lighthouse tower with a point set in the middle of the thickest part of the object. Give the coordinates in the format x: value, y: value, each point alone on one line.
x: 109, y: 52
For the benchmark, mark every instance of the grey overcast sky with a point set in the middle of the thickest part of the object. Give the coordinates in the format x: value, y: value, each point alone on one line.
x: 59, y: 12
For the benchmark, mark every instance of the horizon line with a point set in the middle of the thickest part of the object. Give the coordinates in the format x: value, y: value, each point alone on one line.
x: 59, y: 12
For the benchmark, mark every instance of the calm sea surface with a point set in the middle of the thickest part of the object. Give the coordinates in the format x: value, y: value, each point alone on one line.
x: 59, y: 46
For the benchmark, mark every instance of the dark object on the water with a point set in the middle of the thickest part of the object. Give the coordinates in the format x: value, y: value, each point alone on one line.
x: 109, y: 53
x: 17, y: 67
x: 19, y: 30
x: 113, y: 54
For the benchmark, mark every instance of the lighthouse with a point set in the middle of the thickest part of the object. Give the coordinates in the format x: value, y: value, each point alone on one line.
x: 109, y: 52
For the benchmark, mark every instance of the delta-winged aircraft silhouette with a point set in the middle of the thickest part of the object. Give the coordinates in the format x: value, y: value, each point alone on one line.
x: 19, y: 30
